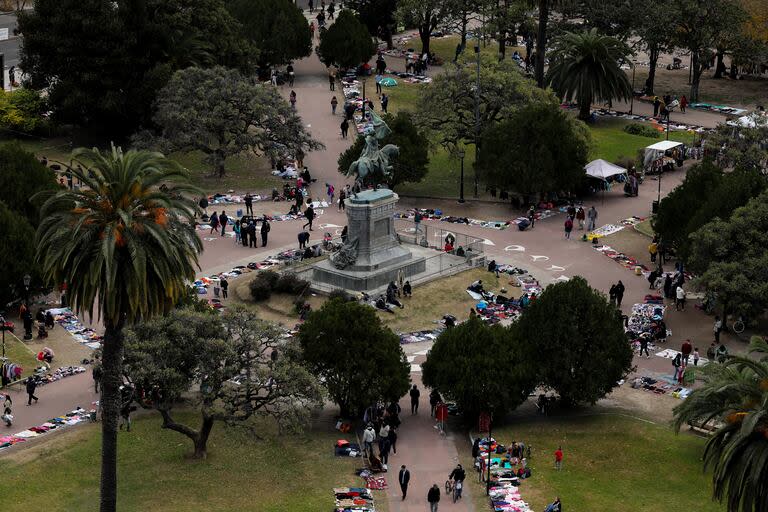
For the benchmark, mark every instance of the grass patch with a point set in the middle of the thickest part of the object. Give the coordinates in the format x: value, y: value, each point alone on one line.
x: 278, y: 473
x: 609, y: 460
x: 244, y: 173
x: 17, y: 352
x: 645, y: 228
x: 403, y: 97
x: 611, y: 141
x: 443, y: 176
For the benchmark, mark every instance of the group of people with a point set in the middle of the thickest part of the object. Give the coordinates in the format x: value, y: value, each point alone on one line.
x: 574, y: 213
x: 245, y: 231
x: 390, y: 299
x: 383, y: 423
x: 662, y: 106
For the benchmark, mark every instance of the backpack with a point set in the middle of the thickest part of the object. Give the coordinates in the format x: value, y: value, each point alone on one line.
x: 568, y: 224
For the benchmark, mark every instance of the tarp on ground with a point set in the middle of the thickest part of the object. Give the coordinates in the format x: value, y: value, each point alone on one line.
x: 602, y: 169
x: 388, y: 82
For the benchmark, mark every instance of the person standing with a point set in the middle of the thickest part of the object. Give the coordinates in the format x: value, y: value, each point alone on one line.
x: 31, y: 385
x: 686, y: 348
x: 619, y: 291
x: 417, y: 222
x: 683, y: 104
x: 433, y: 497
x: 403, y: 478
x: 653, y: 249
x: 331, y: 191
x: 434, y: 399
x: 644, y: 347
x: 415, y: 394
x: 680, y: 299
x: 97, y: 373
x: 334, y: 104
x: 248, y: 204
x: 204, y: 204
x: 332, y: 78
x: 236, y: 230
x: 292, y: 99
x: 717, y: 328
x: 303, y: 239
x: 265, y: 228
x: 559, y: 458
x: 342, y: 197
x: 369, y: 435
x: 591, y: 218
x: 384, y: 102
x: 311, y: 6
x: 580, y: 216
x: 532, y: 215
x: 309, y: 213
x: 214, y: 221
x: 568, y: 227
x: 344, y: 128
x: 252, y: 235
x: 223, y: 219
x: 224, y: 286
x: 696, y: 356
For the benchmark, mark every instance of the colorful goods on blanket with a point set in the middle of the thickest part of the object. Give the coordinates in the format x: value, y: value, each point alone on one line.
x: 71, y: 418
x: 506, y: 497
x: 432, y: 214
x: 69, y: 321
x: 420, y: 336
x: 43, y: 376
x: 644, y: 315
x: 660, y: 385
x: 605, y: 112
x: 621, y: 258
x: 504, y: 491
x: 373, y: 482
x: 353, y: 499
x: 231, y: 198
x: 671, y: 354
x: 344, y: 448
x: 610, y: 229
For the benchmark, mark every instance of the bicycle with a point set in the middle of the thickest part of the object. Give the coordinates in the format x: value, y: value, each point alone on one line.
x: 457, y: 486
x: 448, y: 487
x: 739, y: 325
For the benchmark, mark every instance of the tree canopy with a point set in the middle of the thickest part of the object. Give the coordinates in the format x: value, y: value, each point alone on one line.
x: 135, y: 46
x: 346, y: 43
x: 575, y: 340
x: 21, y: 177
x: 241, y: 367
x: 515, y: 156
x: 410, y: 165
x: 277, y: 28
x: 222, y: 113
x: 358, y: 359
x: 426, y: 16
x: 377, y: 15
x: 457, y: 365
x: 18, y: 255
x: 23, y: 110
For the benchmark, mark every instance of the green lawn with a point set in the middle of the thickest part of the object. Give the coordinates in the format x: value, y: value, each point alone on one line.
x: 611, y: 463
x: 611, y: 141
x: 276, y: 474
x: 244, y: 173
x: 18, y: 353
x: 443, y: 176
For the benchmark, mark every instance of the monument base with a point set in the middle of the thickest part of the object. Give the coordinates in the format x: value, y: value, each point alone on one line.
x: 366, y: 279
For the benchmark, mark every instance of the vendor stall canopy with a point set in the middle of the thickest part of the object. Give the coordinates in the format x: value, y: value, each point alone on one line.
x: 664, y: 145
x: 602, y: 169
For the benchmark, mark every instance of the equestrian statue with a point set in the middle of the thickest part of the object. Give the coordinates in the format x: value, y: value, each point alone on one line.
x: 373, y: 165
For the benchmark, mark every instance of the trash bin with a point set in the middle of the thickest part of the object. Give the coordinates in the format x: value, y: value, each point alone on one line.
x: 239, y: 213
x: 655, y: 207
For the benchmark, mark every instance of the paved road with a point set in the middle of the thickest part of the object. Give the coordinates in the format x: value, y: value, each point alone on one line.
x: 11, y: 47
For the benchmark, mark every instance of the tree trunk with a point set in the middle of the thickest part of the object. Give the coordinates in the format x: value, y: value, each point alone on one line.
x: 697, y: 68
x: 653, y: 59
x: 388, y: 37
x: 464, y: 23
x: 112, y: 365
x: 720, y: 66
x: 199, y: 437
x: 585, y: 108
x: 541, y: 42
x: 424, y: 35
x: 201, y: 443
x: 502, y: 45
x: 218, y: 164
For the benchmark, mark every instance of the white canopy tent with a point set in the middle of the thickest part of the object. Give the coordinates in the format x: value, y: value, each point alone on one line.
x: 602, y: 169
x: 664, y: 145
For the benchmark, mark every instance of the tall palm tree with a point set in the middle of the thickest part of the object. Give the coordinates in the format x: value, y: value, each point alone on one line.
x: 586, y: 66
x: 736, y: 395
x: 125, y: 242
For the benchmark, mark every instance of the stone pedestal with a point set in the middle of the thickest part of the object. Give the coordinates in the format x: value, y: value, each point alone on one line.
x: 380, y: 256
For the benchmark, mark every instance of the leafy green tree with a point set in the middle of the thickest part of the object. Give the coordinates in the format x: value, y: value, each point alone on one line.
x: 18, y: 255
x: 700, y: 24
x: 516, y: 156
x: 730, y: 259
x: 735, y: 395
x: 576, y: 341
x: 23, y: 110
x: 586, y: 67
x: 277, y: 28
x: 346, y: 43
x: 222, y: 113
x: 426, y: 16
x: 378, y: 16
x: 358, y: 359
x: 21, y: 177
x: 446, y: 107
x: 458, y: 366
x: 240, y: 367
x: 135, y: 46
x: 654, y: 38
x: 125, y: 245
x: 739, y: 146
x: 410, y: 166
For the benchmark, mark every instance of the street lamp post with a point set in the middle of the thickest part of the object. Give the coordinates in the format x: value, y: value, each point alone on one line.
x: 477, y: 111
x: 461, y: 183
x: 490, y: 442
x: 632, y: 96
x: 364, y: 80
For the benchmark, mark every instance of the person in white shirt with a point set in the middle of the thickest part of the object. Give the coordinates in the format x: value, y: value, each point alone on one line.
x: 680, y: 299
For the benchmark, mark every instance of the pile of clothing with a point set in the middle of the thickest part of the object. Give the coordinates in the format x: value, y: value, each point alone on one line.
x: 10, y: 372
x: 436, y: 214
x: 660, y: 386
x: 231, y: 198
x: 6, y: 441
x: 420, y: 336
x: 69, y: 321
x: 620, y: 258
x: 344, y: 448
x: 46, y: 377
x: 71, y: 418
x: 378, y: 483
x: 353, y: 499
x: 506, y: 497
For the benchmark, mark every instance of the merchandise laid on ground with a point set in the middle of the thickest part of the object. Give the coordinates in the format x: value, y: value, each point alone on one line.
x: 436, y: 214
x: 74, y: 417
x: 43, y: 375
x: 610, y: 229
x: 69, y: 321
x: 671, y: 354
x: 660, y: 385
x: 10, y: 372
x: 661, y: 126
x: 353, y: 499
x: 647, y: 321
x: 420, y: 336
x: 507, y: 470
x: 373, y: 482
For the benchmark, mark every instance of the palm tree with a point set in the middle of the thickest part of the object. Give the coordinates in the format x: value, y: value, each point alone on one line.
x: 735, y: 394
x: 586, y: 66
x: 124, y: 242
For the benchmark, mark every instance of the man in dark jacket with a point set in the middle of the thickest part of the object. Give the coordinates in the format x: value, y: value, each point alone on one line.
x: 265, y: 227
x: 619, y: 293
x: 433, y: 497
x: 31, y: 386
x: 252, y: 242
x: 224, y: 286
x: 223, y: 221
x: 309, y: 213
x: 248, y: 204
x: 415, y: 394
x: 403, y: 478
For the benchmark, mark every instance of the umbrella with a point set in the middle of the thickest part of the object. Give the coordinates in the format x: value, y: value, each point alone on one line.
x: 388, y: 82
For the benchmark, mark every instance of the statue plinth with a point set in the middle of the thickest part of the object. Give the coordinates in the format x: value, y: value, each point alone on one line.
x: 380, y: 256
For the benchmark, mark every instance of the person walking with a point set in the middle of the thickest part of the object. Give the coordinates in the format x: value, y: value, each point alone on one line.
x: 311, y: 6
x: 334, y: 104
x: 342, y: 197
x: 680, y: 299
x: 433, y: 497
x: 265, y: 228
x: 532, y: 215
x: 309, y: 213
x: 559, y: 458
x: 224, y: 286
x: 580, y: 216
x: 434, y: 399
x: 292, y: 99
x: 415, y: 394
x: 214, y: 222
x: 644, y: 347
x: 248, y: 204
x: 619, y: 292
x: 31, y: 385
x: 717, y: 328
x: 568, y: 227
x: 223, y: 219
x: 331, y: 191
x: 369, y: 435
x: 403, y: 478
x: 591, y: 219
x: 686, y: 348
x: 384, y: 102
x: 344, y: 128
x: 332, y: 78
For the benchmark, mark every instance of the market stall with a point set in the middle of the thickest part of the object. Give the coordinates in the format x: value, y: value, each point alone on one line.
x: 663, y: 156
x: 607, y: 174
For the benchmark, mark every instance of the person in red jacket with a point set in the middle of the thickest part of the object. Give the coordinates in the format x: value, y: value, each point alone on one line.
x: 686, y: 349
x: 559, y: 458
